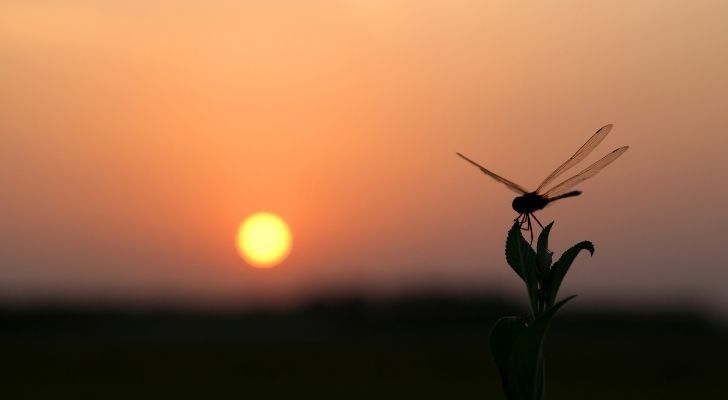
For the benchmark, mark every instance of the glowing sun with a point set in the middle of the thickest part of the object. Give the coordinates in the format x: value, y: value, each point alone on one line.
x: 264, y: 240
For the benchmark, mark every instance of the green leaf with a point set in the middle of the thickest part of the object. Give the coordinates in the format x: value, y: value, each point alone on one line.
x: 522, y: 259
x: 561, y: 267
x: 517, y: 350
x: 517, y: 361
x: 532, y: 279
x: 513, y: 253
x: 543, y: 254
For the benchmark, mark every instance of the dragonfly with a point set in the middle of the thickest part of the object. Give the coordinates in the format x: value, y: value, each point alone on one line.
x: 528, y: 202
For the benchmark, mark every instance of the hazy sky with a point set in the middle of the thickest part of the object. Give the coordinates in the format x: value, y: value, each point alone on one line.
x: 136, y: 135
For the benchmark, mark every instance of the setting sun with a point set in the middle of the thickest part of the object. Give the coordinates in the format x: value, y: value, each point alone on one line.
x: 264, y: 240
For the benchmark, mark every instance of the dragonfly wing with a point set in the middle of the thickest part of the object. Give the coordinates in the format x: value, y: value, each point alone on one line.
x: 513, y: 186
x: 578, y: 156
x: 587, y: 173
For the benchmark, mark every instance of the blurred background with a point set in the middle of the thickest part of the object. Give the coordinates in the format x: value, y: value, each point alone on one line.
x: 135, y: 136
x: 427, y: 347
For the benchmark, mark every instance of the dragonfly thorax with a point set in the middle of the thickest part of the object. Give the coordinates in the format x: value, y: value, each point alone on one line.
x: 529, y: 203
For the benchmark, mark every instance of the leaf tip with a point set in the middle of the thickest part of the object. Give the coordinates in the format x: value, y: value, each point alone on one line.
x: 590, y: 248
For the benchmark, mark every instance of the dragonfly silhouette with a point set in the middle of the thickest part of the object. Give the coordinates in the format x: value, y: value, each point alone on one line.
x: 529, y: 202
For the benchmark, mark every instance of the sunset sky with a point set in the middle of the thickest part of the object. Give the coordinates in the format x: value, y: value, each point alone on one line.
x: 136, y: 135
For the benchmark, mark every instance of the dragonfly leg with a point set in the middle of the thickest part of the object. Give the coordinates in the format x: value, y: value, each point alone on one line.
x: 539, y: 222
x: 522, y: 221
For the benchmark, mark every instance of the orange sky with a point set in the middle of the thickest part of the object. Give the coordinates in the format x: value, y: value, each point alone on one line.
x: 136, y: 135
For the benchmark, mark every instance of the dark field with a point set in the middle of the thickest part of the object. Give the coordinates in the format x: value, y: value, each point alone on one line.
x: 414, y: 349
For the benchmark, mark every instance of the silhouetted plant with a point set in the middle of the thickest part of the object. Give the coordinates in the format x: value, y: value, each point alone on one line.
x: 517, y: 342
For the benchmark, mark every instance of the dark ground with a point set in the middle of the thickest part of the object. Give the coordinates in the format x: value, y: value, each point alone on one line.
x: 425, y: 348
